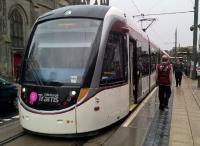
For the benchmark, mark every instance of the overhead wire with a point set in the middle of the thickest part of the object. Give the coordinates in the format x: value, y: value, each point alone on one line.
x: 167, y: 13
x: 138, y: 10
x: 192, y: 2
x: 132, y: 1
x: 155, y: 5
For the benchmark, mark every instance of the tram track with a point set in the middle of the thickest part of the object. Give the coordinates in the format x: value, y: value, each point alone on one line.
x: 22, y: 138
x: 12, y: 138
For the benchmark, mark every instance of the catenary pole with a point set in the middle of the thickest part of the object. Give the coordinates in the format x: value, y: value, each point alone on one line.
x: 195, y: 31
x: 175, y: 43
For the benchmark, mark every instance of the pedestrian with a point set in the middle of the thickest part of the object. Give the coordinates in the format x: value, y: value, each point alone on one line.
x: 178, y: 69
x: 164, y: 81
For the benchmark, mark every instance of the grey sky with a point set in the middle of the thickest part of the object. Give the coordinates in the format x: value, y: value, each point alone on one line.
x: 162, y: 32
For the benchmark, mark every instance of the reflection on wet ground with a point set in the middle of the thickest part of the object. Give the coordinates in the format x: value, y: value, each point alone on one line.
x: 158, y: 134
x: 159, y: 131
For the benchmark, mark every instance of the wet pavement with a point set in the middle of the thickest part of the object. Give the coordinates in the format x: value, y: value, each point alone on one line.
x: 185, y: 127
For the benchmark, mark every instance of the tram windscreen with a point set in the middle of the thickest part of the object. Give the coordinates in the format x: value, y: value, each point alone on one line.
x: 60, y: 50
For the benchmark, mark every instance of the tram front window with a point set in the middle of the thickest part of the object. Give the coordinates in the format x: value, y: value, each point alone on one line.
x: 60, y: 51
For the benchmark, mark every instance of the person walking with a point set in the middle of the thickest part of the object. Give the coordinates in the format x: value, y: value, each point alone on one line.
x: 164, y: 81
x: 178, y: 69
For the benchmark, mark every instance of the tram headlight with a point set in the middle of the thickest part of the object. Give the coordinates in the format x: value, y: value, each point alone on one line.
x: 23, y: 90
x: 72, y: 93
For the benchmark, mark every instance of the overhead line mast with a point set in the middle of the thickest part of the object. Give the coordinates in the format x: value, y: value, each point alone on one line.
x: 195, y: 32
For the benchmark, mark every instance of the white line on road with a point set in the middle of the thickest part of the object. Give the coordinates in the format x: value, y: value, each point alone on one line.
x: 15, y: 117
x: 6, y: 120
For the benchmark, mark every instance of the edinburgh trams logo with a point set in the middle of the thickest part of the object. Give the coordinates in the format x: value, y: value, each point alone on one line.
x: 43, y: 97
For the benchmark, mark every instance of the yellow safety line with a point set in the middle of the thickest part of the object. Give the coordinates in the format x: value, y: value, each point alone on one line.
x: 132, y: 107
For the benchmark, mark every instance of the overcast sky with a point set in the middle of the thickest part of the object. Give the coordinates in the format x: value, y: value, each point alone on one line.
x: 162, y: 31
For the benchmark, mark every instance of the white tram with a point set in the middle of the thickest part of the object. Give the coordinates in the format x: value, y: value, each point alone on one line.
x: 84, y: 68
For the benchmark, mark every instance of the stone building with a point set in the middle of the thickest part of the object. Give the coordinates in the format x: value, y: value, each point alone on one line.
x: 16, y: 20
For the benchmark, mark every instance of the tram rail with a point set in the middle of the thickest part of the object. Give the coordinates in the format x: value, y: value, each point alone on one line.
x: 12, y: 138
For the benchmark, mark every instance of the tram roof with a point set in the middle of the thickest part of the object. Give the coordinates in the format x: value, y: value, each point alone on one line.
x: 77, y: 11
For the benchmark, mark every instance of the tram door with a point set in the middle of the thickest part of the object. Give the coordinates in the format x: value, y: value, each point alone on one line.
x: 133, y: 73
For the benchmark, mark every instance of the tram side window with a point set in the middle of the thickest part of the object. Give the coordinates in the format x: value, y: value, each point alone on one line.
x: 153, y: 61
x: 143, y: 62
x: 115, y: 64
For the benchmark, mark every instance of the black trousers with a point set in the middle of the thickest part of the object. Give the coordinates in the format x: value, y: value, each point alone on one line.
x: 178, y: 76
x: 164, y: 95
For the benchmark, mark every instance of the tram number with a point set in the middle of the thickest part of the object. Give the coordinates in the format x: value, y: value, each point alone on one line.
x: 48, y: 98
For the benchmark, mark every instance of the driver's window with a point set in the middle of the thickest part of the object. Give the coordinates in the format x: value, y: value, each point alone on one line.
x: 113, y: 70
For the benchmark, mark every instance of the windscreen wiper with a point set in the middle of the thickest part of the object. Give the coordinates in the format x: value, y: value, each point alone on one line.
x: 34, y: 73
x: 53, y: 83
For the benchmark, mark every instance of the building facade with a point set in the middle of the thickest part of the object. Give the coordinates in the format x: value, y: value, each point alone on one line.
x: 16, y: 20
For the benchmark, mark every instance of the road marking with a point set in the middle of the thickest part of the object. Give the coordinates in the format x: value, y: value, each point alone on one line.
x: 134, y: 114
x: 6, y: 120
x: 1, y: 122
x: 15, y: 117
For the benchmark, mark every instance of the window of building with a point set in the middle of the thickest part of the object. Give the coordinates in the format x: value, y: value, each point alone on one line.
x: 16, y: 29
x: 115, y: 64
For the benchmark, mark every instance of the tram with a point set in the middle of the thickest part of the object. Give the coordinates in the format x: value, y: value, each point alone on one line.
x: 85, y: 68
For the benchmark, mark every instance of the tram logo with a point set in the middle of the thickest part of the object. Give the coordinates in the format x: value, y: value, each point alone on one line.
x: 48, y: 98
x: 33, y: 97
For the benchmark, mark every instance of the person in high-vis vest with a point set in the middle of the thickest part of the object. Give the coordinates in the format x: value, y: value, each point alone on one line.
x: 164, y: 81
